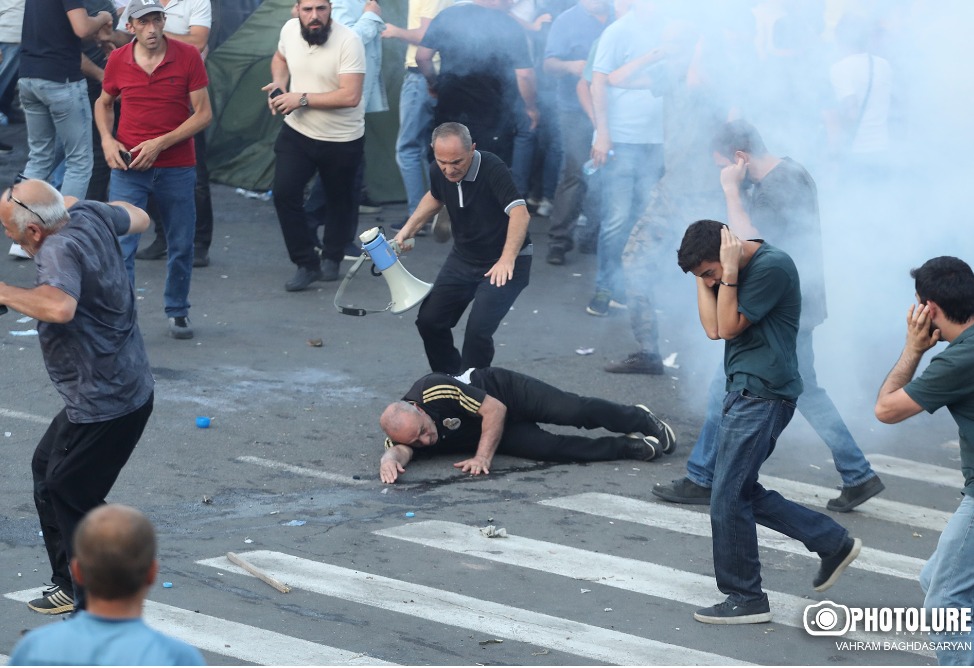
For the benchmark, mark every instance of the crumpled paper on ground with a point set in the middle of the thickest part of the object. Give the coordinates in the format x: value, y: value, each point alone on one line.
x: 490, y: 531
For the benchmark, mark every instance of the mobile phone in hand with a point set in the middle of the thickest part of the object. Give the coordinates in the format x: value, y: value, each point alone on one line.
x: 126, y: 157
x: 276, y: 92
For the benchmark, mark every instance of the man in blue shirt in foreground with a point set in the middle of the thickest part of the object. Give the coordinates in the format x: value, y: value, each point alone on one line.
x: 115, y: 560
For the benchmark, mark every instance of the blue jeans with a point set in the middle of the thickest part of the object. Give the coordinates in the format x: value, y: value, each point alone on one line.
x: 748, y: 431
x: 457, y: 285
x: 814, y: 404
x: 9, y: 65
x: 55, y: 111
x: 172, y: 188
x: 947, y: 579
x: 416, y: 108
x: 627, y: 178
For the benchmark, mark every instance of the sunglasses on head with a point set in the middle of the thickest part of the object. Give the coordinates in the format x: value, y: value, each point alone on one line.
x: 11, y: 198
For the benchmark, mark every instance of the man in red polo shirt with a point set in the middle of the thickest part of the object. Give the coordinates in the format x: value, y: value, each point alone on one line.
x: 162, y: 84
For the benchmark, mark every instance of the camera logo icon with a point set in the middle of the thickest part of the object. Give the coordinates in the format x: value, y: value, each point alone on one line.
x: 826, y: 619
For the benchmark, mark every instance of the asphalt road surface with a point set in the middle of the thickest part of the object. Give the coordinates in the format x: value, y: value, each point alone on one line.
x: 594, y: 569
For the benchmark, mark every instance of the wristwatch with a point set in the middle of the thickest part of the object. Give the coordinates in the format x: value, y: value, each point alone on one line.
x: 304, y: 100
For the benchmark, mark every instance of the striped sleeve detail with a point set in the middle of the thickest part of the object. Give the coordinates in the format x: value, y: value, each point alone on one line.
x: 451, y: 392
x: 516, y: 203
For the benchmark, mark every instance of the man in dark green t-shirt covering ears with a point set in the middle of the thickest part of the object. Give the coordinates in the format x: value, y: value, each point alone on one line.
x: 748, y: 294
x: 945, y: 311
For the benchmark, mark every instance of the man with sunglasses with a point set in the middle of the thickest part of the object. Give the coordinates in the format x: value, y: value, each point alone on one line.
x: 93, y: 350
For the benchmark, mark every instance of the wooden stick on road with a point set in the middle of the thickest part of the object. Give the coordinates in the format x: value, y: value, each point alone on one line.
x: 257, y: 573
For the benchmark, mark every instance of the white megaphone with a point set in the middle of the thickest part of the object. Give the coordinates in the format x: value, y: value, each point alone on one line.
x: 406, y: 290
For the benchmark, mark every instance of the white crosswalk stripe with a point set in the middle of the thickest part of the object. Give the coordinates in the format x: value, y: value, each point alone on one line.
x: 239, y: 641
x: 623, y: 573
x: 302, y: 470
x: 929, y: 473
x: 876, y: 508
x: 674, y: 518
x: 446, y: 607
x: 681, y: 588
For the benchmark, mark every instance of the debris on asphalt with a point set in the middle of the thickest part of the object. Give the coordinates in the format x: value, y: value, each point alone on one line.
x: 257, y: 573
x: 585, y: 591
x: 296, y: 523
x: 203, y: 422
x: 585, y: 351
x: 248, y: 540
x: 492, y: 641
x: 167, y: 585
x: 316, y: 343
x: 670, y: 361
x: 490, y: 531
x: 207, y: 499
x: 541, y: 653
x: 410, y: 514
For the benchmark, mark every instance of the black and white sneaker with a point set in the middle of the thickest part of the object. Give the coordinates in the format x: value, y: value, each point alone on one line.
x: 755, y: 612
x: 661, y: 431
x: 642, y: 448
x: 54, y: 601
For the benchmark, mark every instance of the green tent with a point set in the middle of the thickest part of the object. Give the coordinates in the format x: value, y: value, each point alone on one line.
x: 240, y: 141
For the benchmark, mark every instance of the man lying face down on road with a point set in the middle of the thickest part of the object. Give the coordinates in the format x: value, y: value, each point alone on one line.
x: 492, y: 410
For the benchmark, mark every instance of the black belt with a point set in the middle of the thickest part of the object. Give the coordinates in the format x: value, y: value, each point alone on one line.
x: 414, y: 70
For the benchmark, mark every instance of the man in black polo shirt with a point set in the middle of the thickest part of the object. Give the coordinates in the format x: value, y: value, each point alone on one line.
x: 491, y: 258
x: 492, y: 410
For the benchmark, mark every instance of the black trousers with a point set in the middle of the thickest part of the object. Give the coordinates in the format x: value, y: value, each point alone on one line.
x: 457, y: 285
x: 297, y: 159
x: 531, y: 401
x: 74, y: 468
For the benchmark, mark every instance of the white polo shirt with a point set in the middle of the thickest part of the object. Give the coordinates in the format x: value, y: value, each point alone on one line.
x: 315, y: 69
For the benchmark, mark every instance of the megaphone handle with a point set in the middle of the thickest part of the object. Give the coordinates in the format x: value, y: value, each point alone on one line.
x: 346, y: 310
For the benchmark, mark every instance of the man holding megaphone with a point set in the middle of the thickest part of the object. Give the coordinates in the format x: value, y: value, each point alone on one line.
x: 491, y: 258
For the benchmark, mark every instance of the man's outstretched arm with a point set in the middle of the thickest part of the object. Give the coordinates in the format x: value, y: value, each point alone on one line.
x: 394, y: 462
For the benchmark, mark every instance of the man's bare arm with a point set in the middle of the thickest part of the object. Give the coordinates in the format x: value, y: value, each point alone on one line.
x: 493, y: 414
x: 414, y: 36
x: 893, y: 403
x: 394, y: 462
x: 517, y: 229
x: 85, y: 26
x: 44, y: 302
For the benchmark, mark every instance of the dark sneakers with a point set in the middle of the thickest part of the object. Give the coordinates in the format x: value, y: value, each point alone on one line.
x: 54, y: 601
x: 556, y: 255
x: 755, y: 612
x: 179, y: 328
x: 659, y: 430
x: 600, y: 304
x: 303, y: 278
x: 157, y: 250
x: 833, y: 565
x: 638, y: 362
x: 643, y: 448
x: 854, y: 496
x: 683, y: 490
x: 201, y: 256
